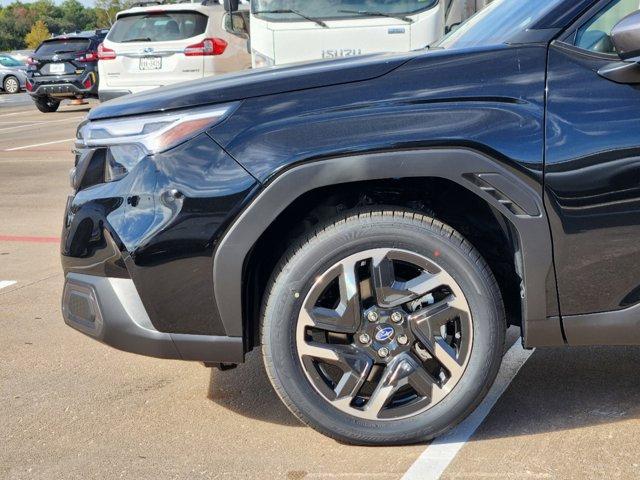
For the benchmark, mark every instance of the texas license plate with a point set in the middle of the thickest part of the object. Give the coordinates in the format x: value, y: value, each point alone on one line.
x: 150, y: 63
x: 56, y: 68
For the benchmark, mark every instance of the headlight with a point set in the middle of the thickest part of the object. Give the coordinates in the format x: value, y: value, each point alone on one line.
x: 128, y: 140
x: 260, y: 60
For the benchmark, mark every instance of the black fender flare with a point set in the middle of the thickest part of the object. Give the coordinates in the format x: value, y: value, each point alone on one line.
x: 490, y: 179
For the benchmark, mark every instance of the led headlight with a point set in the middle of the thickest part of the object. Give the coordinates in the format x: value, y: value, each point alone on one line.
x: 128, y: 140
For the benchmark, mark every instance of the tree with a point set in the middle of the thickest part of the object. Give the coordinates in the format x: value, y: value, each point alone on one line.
x: 106, y: 11
x: 39, y: 33
x: 17, y: 19
x: 74, y: 16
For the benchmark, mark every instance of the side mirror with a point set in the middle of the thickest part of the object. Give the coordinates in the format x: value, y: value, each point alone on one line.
x: 236, y: 23
x: 625, y: 36
x: 231, y: 5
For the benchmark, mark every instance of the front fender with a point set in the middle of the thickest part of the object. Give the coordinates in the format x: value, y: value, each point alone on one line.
x: 507, y: 192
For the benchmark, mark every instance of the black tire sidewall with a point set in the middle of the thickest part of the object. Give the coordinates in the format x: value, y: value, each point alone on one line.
x: 46, y: 104
x: 338, y: 242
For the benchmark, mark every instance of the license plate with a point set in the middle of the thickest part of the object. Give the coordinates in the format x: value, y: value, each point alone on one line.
x: 150, y: 63
x: 56, y: 68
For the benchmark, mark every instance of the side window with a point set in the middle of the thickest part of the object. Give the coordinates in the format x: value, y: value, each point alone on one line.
x: 595, y: 34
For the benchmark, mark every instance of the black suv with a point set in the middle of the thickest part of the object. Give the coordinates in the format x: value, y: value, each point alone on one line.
x: 374, y: 223
x: 64, y: 67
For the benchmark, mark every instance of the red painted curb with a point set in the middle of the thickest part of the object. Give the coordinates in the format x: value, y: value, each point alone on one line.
x: 27, y: 239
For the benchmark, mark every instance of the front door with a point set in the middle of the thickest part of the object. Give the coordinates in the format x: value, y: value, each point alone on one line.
x: 592, y: 169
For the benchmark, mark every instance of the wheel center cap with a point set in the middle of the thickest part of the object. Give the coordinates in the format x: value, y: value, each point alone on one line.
x: 384, y: 333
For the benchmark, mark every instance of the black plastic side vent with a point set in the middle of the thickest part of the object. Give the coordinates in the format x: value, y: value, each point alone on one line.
x: 501, y: 197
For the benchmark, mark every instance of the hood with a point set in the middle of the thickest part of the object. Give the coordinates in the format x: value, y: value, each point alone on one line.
x: 253, y: 83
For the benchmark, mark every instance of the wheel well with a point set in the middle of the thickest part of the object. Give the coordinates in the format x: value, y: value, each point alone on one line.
x: 486, y: 228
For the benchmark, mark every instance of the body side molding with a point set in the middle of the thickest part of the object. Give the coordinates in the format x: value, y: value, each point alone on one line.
x: 453, y: 164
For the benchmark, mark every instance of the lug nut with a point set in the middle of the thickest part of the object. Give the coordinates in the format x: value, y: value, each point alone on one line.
x: 383, y: 352
x: 396, y: 317
x: 372, y: 316
x: 364, y: 338
x: 403, y: 339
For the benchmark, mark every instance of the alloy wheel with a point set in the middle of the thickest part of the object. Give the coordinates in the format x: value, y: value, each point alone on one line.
x: 384, y: 334
x: 11, y: 85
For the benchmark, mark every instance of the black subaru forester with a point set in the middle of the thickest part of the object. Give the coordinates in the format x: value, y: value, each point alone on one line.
x: 374, y: 224
x: 64, y: 67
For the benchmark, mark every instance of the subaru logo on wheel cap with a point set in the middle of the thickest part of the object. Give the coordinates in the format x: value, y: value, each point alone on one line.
x: 384, y: 333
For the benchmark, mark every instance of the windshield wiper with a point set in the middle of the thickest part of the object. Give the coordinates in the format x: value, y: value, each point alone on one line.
x: 57, y: 52
x: 317, y: 21
x: 374, y: 13
x: 142, y: 39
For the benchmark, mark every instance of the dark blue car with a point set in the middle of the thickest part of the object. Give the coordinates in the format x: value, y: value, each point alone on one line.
x: 374, y: 224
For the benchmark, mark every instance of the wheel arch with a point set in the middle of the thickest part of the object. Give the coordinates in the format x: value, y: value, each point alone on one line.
x: 499, y: 186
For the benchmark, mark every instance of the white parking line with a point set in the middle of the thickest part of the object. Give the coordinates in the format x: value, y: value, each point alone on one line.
x: 13, y: 122
x: 16, y: 113
x: 440, y: 453
x: 6, y: 283
x: 37, y: 145
x: 17, y: 127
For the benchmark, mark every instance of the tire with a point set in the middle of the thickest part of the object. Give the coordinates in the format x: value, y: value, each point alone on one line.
x: 391, y: 235
x: 11, y: 84
x: 46, y: 104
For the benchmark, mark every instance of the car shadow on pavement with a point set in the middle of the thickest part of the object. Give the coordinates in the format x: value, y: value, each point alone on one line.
x: 247, y: 391
x: 566, y: 389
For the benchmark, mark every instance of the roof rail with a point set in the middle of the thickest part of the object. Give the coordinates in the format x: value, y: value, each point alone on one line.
x: 147, y: 3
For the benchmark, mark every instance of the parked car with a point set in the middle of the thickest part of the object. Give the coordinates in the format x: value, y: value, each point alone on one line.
x: 21, y: 55
x: 13, y: 75
x: 64, y: 67
x: 376, y: 223
x: 149, y: 47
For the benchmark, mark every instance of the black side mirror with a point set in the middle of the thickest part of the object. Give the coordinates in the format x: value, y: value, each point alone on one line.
x: 236, y: 23
x: 625, y: 36
x: 231, y: 5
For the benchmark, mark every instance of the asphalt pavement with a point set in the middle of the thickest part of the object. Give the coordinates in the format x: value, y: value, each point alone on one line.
x: 73, y: 408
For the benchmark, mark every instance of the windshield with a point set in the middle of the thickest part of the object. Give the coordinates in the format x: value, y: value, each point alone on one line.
x: 61, y: 46
x: 334, y: 9
x: 158, y: 27
x: 10, y: 62
x: 498, y: 22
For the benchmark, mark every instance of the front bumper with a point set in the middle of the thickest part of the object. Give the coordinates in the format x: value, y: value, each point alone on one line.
x: 137, y: 253
x: 111, y: 311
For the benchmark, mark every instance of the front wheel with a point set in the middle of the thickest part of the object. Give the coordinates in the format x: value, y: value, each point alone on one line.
x: 46, y: 104
x: 11, y: 84
x: 383, y: 328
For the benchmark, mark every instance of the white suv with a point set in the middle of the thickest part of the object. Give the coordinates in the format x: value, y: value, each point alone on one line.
x: 149, y: 47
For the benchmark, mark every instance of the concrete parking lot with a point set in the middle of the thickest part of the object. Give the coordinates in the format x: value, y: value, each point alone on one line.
x: 73, y: 408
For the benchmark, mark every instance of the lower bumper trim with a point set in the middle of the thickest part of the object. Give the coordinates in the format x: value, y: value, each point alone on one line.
x: 110, y: 311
